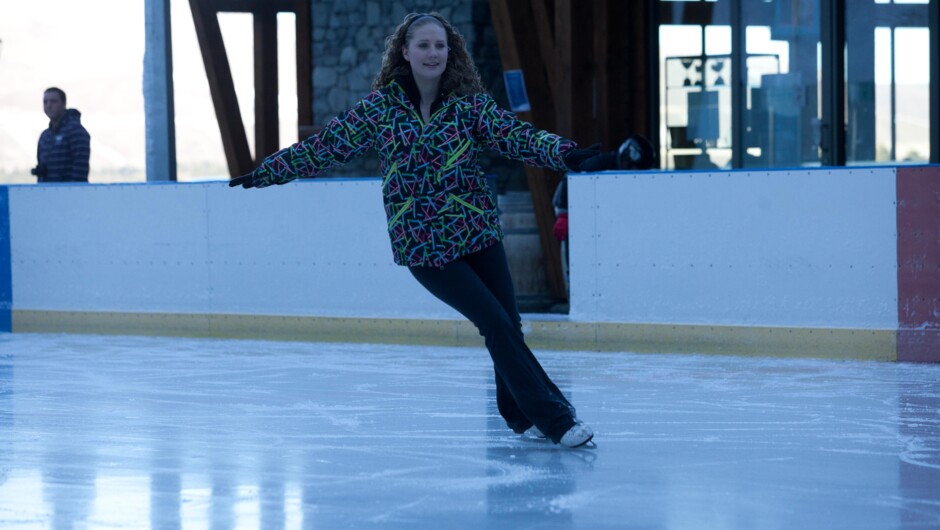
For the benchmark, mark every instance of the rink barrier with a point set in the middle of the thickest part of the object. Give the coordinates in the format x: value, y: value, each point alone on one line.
x: 826, y: 262
x: 548, y: 333
x: 855, y: 248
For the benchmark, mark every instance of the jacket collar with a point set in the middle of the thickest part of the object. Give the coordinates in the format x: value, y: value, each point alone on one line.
x: 68, y: 115
x: 413, y: 95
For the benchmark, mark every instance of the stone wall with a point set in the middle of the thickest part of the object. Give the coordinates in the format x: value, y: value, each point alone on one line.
x: 348, y: 41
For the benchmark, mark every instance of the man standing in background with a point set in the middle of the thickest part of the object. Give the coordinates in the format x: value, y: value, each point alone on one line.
x: 64, y: 147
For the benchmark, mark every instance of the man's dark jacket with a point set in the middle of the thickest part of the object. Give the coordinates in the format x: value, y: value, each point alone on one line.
x: 64, y: 150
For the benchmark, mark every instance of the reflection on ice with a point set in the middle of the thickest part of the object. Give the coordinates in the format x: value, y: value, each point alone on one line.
x: 131, y: 432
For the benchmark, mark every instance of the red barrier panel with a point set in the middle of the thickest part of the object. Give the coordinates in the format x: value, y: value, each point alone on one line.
x: 918, y: 206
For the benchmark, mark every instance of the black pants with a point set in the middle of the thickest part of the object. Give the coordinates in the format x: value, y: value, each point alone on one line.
x: 480, y: 288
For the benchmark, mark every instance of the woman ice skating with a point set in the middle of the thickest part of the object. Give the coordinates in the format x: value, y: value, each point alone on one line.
x: 429, y: 119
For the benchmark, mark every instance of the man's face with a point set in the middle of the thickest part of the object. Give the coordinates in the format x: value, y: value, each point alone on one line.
x: 53, y: 105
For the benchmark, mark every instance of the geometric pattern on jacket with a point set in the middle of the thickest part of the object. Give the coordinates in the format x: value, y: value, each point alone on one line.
x: 436, y: 198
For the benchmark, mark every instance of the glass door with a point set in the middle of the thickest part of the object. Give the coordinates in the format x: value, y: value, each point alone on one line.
x: 887, y: 82
x: 696, y: 81
x: 791, y: 83
x: 721, y: 108
x: 781, y: 104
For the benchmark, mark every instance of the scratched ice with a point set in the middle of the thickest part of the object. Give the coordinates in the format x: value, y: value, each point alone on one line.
x: 136, y: 432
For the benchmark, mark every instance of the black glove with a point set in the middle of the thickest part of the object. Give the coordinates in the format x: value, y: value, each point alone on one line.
x: 590, y: 159
x: 600, y: 162
x: 259, y: 178
x: 245, y: 181
x: 575, y: 157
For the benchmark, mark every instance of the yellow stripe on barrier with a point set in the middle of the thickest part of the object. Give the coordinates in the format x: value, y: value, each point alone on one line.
x: 827, y: 343
x: 266, y: 327
x: 847, y: 344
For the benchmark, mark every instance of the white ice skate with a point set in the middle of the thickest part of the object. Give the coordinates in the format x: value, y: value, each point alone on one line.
x: 534, y: 433
x: 579, y: 435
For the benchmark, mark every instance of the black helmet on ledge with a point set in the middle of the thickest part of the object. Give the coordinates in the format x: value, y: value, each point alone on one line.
x: 636, y: 152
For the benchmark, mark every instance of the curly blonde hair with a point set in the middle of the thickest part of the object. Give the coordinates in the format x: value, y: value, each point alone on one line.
x: 460, y: 76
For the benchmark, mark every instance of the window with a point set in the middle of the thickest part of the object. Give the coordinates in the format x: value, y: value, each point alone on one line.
x: 749, y: 84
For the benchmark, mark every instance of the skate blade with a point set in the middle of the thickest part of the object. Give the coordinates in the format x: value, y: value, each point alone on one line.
x: 588, y: 444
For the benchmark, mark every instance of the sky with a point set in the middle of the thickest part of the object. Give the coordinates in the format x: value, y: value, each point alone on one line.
x: 98, y: 61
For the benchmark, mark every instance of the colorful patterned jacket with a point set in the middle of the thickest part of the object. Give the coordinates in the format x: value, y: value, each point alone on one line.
x: 437, y: 202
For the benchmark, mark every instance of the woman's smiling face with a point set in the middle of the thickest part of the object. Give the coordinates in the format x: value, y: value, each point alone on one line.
x: 427, y: 51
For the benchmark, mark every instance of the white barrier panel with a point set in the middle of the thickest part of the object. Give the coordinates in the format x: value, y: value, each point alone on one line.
x: 805, y: 248
x: 309, y: 248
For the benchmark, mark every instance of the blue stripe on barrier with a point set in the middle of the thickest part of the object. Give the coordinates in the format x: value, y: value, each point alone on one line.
x: 6, y: 263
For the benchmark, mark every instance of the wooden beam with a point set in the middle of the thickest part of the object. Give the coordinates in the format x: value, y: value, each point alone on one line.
x: 630, y: 69
x: 266, y: 84
x: 502, y: 24
x: 581, y: 103
x: 515, y: 33
x: 600, y: 113
x: 304, y: 40
x: 564, y: 79
x: 575, y: 63
x: 542, y: 24
x: 222, y: 87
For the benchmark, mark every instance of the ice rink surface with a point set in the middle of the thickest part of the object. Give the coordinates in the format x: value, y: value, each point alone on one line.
x: 137, y: 432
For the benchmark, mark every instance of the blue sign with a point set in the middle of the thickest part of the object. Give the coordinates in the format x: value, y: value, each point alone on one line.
x: 515, y: 88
